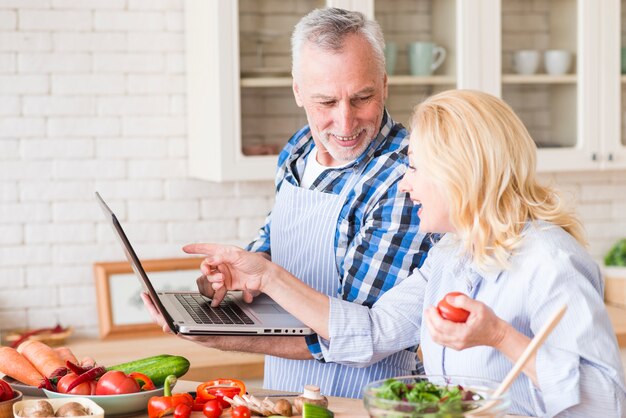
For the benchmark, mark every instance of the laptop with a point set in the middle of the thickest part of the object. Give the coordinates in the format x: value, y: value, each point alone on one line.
x: 190, y: 313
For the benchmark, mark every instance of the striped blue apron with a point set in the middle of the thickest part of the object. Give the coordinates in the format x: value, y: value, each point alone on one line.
x: 303, y: 231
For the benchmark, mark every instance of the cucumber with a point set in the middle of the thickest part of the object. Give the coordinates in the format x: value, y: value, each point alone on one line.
x: 157, y: 368
x: 315, y: 411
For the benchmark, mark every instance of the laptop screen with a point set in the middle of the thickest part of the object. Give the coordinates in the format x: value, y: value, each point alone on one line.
x: 134, y: 262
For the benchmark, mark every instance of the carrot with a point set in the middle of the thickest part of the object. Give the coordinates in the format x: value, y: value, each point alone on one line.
x: 66, y: 354
x: 15, y: 365
x: 43, y: 357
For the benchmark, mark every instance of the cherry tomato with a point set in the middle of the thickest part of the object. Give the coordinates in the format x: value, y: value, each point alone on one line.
x: 449, y: 312
x: 86, y: 388
x: 212, y: 408
x: 240, y: 412
x: 116, y: 382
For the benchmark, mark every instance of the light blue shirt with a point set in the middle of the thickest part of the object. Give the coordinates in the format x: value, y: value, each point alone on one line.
x: 578, y: 367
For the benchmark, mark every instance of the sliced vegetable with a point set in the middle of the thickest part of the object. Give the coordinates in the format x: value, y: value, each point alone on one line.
x: 144, y: 381
x: 15, y: 365
x: 159, y: 406
x: 316, y: 411
x: 157, y: 368
x: 218, y: 388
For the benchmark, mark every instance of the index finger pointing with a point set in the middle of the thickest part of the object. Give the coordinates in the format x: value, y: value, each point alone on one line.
x: 200, y: 248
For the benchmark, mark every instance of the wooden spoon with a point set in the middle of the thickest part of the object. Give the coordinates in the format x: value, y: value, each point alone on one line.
x: 535, y: 343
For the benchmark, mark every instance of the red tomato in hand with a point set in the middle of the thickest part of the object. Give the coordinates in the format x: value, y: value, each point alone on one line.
x: 240, y: 412
x: 449, y: 312
x: 212, y: 408
x: 116, y: 382
x: 86, y: 388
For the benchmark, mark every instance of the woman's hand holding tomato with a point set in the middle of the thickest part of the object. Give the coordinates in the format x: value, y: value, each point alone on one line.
x: 450, y: 312
x: 481, y: 327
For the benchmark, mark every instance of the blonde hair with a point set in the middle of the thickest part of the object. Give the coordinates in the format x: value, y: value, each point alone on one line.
x: 482, y: 157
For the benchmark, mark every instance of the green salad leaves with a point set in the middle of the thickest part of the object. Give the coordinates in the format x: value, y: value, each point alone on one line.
x: 427, y: 397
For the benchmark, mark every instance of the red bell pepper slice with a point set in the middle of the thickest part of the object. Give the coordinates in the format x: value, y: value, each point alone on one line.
x: 158, y: 406
x: 207, y: 389
x: 145, y: 383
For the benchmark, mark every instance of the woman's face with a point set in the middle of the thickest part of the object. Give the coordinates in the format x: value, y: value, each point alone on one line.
x: 435, y: 211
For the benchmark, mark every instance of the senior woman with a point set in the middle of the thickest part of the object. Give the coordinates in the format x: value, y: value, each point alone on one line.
x: 510, y: 245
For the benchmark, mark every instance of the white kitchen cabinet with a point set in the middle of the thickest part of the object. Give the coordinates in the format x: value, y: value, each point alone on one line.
x: 239, y: 89
x: 574, y: 118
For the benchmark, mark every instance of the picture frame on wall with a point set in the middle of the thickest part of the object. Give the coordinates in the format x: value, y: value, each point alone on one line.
x: 121, y: 311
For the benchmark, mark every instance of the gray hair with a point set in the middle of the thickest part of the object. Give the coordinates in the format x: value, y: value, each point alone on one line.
x: 327, y: 29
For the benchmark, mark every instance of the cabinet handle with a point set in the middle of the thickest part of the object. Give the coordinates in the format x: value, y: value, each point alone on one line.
x: 594, y: 157
x: 610, y: 157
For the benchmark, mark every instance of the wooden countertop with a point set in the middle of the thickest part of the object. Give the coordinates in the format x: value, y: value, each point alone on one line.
x: 618, y: 319
x: 341, y: 407
x: 206, y: 363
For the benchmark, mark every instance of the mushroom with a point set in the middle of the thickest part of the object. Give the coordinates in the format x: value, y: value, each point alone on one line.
x: 312, y: 395
x: 40, y: 409
x: 71, y: 409
x: 283, y: 407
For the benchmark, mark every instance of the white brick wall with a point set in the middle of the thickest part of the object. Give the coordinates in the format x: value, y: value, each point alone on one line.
x: 92, y: 97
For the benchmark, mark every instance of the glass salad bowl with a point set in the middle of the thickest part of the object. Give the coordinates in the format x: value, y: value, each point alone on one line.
x: 423, y: 396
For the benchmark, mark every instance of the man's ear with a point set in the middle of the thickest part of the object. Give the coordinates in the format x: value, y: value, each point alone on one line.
x: 296, y: 93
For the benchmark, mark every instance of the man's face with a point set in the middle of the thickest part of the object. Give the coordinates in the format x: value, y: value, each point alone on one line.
x: 343, y: 95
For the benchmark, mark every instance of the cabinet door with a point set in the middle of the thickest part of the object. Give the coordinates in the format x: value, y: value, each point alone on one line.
x: 425, y: 26
x: 240, y: 104
x: 613, y: 84
x: 557, y: 100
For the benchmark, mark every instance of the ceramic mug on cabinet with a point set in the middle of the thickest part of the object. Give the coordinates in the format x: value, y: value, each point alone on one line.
x: 391, y: 55
x: 557, y: 61
x: 526, y: 61
x: 425, y: 57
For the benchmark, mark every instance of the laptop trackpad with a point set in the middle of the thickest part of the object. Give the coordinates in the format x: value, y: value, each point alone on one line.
x: 266, y: 308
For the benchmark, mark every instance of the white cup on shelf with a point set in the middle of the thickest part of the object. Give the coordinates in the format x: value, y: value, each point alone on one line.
x: 557, y: 61
x: 526, y: 61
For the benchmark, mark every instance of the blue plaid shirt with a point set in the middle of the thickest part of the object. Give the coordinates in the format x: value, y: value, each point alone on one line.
x: 377, y: 242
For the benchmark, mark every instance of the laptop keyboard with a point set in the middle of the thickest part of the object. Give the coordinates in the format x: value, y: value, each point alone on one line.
x: 201, y: 311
